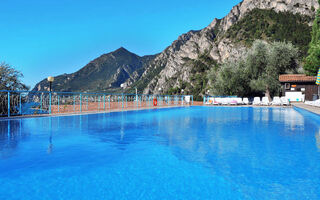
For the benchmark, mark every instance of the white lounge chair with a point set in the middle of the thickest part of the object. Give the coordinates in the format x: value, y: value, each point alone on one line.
x: 313, y: 103
x: 265, y: 101
x: 245, y: 101
x: 233, y: 101
x: 224, y: 101
x: 284, y: 101
x: 309, y: 102
x: 256, y: 101
x: 239, y: 101
x: 217, y: 101
x: 276, y: 101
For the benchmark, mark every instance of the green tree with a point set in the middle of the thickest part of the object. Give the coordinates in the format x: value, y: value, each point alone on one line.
x: 229, y: 79
x: 312, y: 62
x: 10, y: 78
x: 257, y: 71
x: 265, y: 62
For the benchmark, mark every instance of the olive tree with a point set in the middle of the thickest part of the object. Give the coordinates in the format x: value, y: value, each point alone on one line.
x: 257, y: 71
x: 265, y: 62
x: 229, y: 79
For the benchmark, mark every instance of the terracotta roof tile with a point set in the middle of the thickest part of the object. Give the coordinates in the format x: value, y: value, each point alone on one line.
x: 297, y: 78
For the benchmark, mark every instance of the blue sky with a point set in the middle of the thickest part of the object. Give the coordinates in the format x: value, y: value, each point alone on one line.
x: 42, y: 38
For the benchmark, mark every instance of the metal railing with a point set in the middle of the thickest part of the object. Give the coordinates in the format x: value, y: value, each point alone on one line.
x: 13, y: 103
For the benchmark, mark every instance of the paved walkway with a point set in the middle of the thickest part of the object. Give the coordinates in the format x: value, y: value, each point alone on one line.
x: 313, y: 109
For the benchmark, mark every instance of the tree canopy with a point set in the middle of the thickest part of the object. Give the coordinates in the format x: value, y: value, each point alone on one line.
x: 312, y: 62
x: 10, y: 78
x: 257, y: 71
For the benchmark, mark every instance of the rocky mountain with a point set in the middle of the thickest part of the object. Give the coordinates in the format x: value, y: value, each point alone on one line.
x: 281, y: 20
x: 185, y: 63
x: 104, y: 74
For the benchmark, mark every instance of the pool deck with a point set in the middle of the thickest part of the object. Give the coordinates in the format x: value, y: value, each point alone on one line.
x: 307, y: 107
x: 91, y: 112
x: 304, y: 106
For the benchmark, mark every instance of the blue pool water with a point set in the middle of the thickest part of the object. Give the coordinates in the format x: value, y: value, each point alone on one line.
x: 179, y: 153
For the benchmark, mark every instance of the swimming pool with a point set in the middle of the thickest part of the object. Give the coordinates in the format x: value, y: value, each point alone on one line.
x: 174, y: 153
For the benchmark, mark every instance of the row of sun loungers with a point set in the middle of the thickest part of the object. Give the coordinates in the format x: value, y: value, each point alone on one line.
x: 314, y: 103
x: 227, y: 101
x: 277, y: 101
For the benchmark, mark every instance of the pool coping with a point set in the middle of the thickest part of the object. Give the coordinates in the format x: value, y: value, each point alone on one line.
x: 306, y: 107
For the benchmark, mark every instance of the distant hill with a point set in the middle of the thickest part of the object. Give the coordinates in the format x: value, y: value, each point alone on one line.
x: 104, y: 74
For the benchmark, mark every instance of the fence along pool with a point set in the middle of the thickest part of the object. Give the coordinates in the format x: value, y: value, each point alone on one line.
x: 13, y: 103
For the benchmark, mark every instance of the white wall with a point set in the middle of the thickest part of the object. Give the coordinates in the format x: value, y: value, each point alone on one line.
x: 295, y: 96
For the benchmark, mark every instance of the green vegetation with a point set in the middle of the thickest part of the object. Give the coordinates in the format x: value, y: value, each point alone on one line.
x: 229, y: 79
x: 10, y: 78
x: 257, y: 72
x: 312, y: 62
x: 198, y: 78
x: 271, y: 26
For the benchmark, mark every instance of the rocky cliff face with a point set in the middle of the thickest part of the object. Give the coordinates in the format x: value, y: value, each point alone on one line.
x: 172, y: 61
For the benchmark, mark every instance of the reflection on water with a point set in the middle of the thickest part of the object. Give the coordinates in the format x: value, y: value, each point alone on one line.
x: 50, y: 147
x: 124, y: 128
x: 11, y: 134
x: 288, y: 116
x: 239, y: 141
x: 317, y: 135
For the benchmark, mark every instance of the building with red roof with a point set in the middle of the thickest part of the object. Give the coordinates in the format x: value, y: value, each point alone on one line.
x: 299, y: 87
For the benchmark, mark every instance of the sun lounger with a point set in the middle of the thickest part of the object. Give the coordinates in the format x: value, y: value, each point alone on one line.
x: 233, y: 101
x: 276, y: 101
x: 216, y: 101
x: 313, y: 103
x: 265, y: 101
x: 225, y: 101
x: 239, y: 101
x: 317, y: 103
x: 245, y: 101
x: 309, y: 102
x: 256, y: 101
x: 284, y: 101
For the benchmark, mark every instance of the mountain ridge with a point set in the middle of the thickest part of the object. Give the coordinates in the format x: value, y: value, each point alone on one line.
x: 183, y: 64
x: 211, y: 40
x: 104, y: 73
